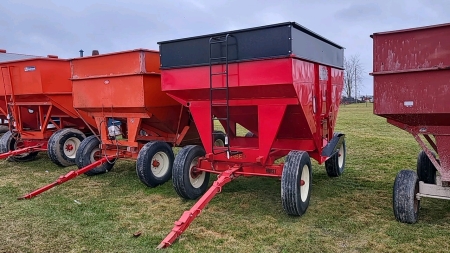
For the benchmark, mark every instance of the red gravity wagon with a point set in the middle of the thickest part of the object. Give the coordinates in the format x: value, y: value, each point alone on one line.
x: 411, y: 73
x: 36, y: 96
x: 282, y: 83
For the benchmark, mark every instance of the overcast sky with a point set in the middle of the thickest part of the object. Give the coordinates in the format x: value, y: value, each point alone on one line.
x: 41, y: 27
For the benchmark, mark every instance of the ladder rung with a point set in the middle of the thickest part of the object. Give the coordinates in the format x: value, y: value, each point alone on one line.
x: 225, y: 149
x: 219, y: 104
x: 217, y: 41
x: 218, y: 153
x: 218, y: 58
x: 219, y: 88
x: 220, y: 148
x: 219, y: 73
x: 220, y: 119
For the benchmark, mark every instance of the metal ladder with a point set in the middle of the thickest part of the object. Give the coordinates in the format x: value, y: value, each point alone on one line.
x: 220, y: 61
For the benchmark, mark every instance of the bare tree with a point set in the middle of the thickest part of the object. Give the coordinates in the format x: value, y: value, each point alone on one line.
x: 353, y: 74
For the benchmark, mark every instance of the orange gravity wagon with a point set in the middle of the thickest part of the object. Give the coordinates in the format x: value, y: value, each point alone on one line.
x: 36, y: 96
x: 135, y: 119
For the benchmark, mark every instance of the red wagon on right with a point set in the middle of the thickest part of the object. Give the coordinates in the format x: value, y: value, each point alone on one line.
x: 282, y: 83
x: 411, y: 70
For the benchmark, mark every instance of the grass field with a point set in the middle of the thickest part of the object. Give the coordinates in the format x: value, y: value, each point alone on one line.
x: 352, y: 213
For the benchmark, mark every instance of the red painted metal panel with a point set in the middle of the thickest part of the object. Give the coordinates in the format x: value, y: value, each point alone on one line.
x: 412, y: 49
x: 414, y: 98
x: 117, y: 63
x: 104, y: 94
x: 411, y: 70
x: 246, y: 74
x: 38, y: 76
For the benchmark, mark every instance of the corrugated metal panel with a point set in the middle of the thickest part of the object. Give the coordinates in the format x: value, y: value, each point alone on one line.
x: 4, y: 57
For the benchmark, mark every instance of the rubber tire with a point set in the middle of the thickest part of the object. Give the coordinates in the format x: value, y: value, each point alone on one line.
x: 425, y: 168
x: 290, y: 183
x: 219, y: 135
x: 3, y: 129
x: 250, y: 134
x: 332, y: 164
x: 55, y: 148
x: 7, y: 143
x: 405, y: 204
x: 144, y: 163
x: 83, y: 157
x: 181, y: 172
x: 51, y: 140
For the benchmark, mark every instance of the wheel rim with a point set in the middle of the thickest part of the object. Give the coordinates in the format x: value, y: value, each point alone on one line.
x: 195, y: 178
x: 160, y: 164
x: 304, y: 183
x: 219, y: 143
x: 95, y: 154
x: 18, y: 144
x: 416, y: 201
x: 341, y: 156
x: 71, y: 146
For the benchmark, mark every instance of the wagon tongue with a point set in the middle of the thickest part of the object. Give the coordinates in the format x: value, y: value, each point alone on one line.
x: 72, y: 174
x: 188, y: 216
x: 21, y: 151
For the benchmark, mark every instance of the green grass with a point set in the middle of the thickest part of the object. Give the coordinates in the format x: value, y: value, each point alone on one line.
x: 352, y: 213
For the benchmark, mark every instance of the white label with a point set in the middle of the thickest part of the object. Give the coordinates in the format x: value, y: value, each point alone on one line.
x: 408, y: 103
x: 30, y: 68
x: 323, y: 73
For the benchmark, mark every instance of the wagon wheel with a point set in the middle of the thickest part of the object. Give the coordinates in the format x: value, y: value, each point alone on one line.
x: 219, y: 138
x: 89, y: 152
x: 405, y: 203
x: 189, y: 183
x: 250, y: 134
x: 335, y: 165
x: 3, y: 129
x: 296, y: 180
x: 63, y: 145
x: 425, y: 168
x: 10, y: 142
x: 154, y: 163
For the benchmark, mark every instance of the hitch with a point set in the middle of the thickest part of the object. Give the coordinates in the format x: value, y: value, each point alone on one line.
x: 62, y: 179
x: 21, y: 151
x: 188, y: 216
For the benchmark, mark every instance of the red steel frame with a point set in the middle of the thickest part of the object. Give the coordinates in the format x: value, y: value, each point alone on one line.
x: 435, y: 136
x: 294, y: 107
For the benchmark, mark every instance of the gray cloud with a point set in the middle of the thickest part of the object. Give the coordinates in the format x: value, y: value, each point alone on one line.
x: 359, y: 12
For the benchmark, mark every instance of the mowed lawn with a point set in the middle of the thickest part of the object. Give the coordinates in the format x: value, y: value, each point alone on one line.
x: 352, y: 213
